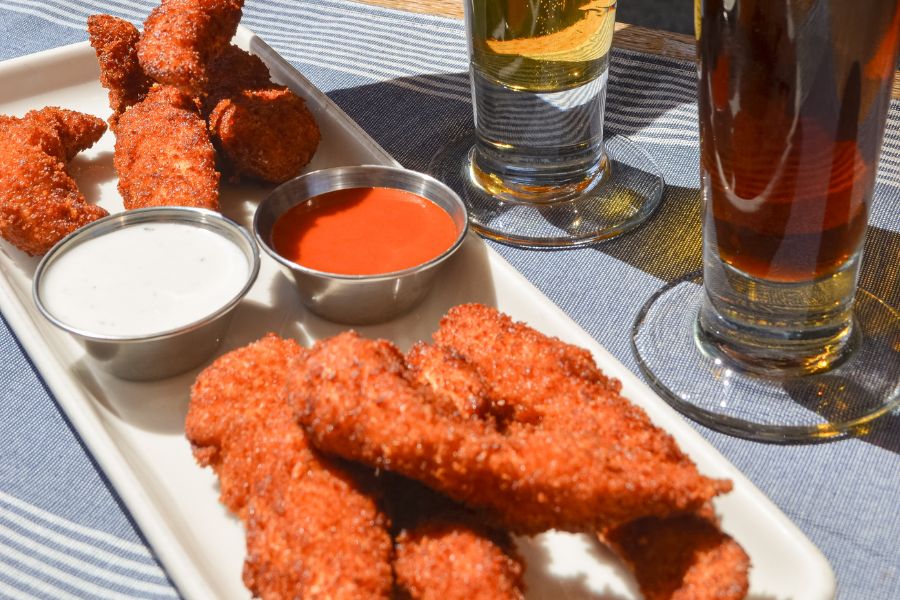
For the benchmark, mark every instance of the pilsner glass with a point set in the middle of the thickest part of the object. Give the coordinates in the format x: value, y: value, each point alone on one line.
x: 793, y: 97
x: 538, y: 171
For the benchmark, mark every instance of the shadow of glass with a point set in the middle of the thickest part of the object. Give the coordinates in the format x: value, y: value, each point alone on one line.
x: 668, y: 245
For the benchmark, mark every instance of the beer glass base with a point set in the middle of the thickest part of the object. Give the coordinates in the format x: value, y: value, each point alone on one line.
x: 626, y: 196
x: 706, y: 386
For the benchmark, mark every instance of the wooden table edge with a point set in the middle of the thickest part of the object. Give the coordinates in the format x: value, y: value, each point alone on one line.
x: 631, y: 37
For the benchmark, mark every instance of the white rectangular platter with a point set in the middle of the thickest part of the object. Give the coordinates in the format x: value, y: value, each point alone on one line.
x: 135, y: 430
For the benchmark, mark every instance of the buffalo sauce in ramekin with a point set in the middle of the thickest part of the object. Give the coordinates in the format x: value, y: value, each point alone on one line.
x: 364, y: 231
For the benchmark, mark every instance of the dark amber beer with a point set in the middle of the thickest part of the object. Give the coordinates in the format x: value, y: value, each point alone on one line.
x: 793, y: 97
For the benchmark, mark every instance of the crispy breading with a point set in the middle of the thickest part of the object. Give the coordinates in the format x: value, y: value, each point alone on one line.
x: 115, y: 42
x: 182, y: 37
x: 446, y: 552
x: 262, y: 130
x: 314, y: 529
x: 590, y: 459
x: 163, y: 154
x: 39, y: 202
x: 681, y: 558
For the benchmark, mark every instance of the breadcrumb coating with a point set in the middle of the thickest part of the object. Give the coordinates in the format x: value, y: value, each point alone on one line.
x: 39, y: 201
x: 163, y: 154
x: 314, y: 528
x: 182, y: 37
x: 682, y: 558
x: 115, y: 42
x: 261, y: 130
x: 584, y: 456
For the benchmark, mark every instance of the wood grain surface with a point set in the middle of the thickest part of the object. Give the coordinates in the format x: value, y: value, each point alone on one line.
x: 632, y: 37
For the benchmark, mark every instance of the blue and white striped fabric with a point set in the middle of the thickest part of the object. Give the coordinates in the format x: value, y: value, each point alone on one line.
x: 403, y: 77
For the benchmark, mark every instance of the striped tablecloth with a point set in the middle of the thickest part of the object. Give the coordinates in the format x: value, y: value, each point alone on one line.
x: 403, y: 77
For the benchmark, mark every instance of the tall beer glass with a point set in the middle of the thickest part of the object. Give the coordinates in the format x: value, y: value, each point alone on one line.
x: 793, y: 97
x: 538, y: 171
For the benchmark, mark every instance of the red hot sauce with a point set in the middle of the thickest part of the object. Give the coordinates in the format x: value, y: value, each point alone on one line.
x: 364, y: 231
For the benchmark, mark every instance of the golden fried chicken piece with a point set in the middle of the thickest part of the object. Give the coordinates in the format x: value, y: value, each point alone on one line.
x: 265, y: 134
x: 182, y: 37
x: 314, y: 529
x: 115, y: 42
x: 686, y: 557
x: 584, y: 457
x: 39, y: 202
x: 163, y: 154
x: 262, y: 130
x: 445, y: 552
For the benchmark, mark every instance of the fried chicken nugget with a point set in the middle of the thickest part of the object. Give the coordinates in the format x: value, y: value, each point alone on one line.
x: 39, y: 202
x: 686, y: 557
x: 314, y: 529
x: 684, y: 554
x: 182, y: 37
x: 262, y: 130
x: 115, y: 42
x: 445, y: 552
x: 163, y: 154
x: 594, y: 460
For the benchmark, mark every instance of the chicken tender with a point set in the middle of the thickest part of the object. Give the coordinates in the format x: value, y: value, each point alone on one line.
x: 182, y: 37
x: 591, y: 458
x: 262, y: 130
x: 39, y: 202
x: 681, y: 558
x: 163, y: 154
x: 314, y: 529
x: 445, y: 552
x: 115, y: 42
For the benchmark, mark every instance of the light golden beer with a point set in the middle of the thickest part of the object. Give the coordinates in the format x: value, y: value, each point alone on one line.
x: 546, y: 45
x: 539, y: 71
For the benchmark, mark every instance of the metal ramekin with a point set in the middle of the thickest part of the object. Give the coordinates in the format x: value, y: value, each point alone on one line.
x: 359, y: 299
x: 167, y: 353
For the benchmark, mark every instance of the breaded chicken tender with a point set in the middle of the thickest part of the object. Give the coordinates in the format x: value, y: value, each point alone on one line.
x: 163, y: 154
x: 39, y: 202
x: 182, y: 37
x: 262, y: 130
x: 685, y: 557
x: 115, y: 42
x: 582, y: 457
x: 445, y: 552
x: 314, y: 529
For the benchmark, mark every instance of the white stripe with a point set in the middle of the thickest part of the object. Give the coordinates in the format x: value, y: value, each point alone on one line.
x: 100, y: 536
x: 395, y: 64
x: 62, y: 576
x: 36, y: 584
x: 644, y: 139
x: 91, y: 570
x: 77, y: 17
x: 425, y: 37
x: 138, y: 12
x: 320, y: 61
x: 685, y: 83
x: 435, y: 23
x: 42, y: 15
x: 689, y: 124
x: 18, y: 594
x: 614, y: 121
x: 53, y: 537
x: 642, y: 87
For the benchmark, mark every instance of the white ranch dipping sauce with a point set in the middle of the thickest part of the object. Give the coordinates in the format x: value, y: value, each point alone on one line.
x: 143, y: 279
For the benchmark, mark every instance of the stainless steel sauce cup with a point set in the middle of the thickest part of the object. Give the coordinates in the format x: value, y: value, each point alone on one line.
x: 167, y: 353
x: 359, y: 299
